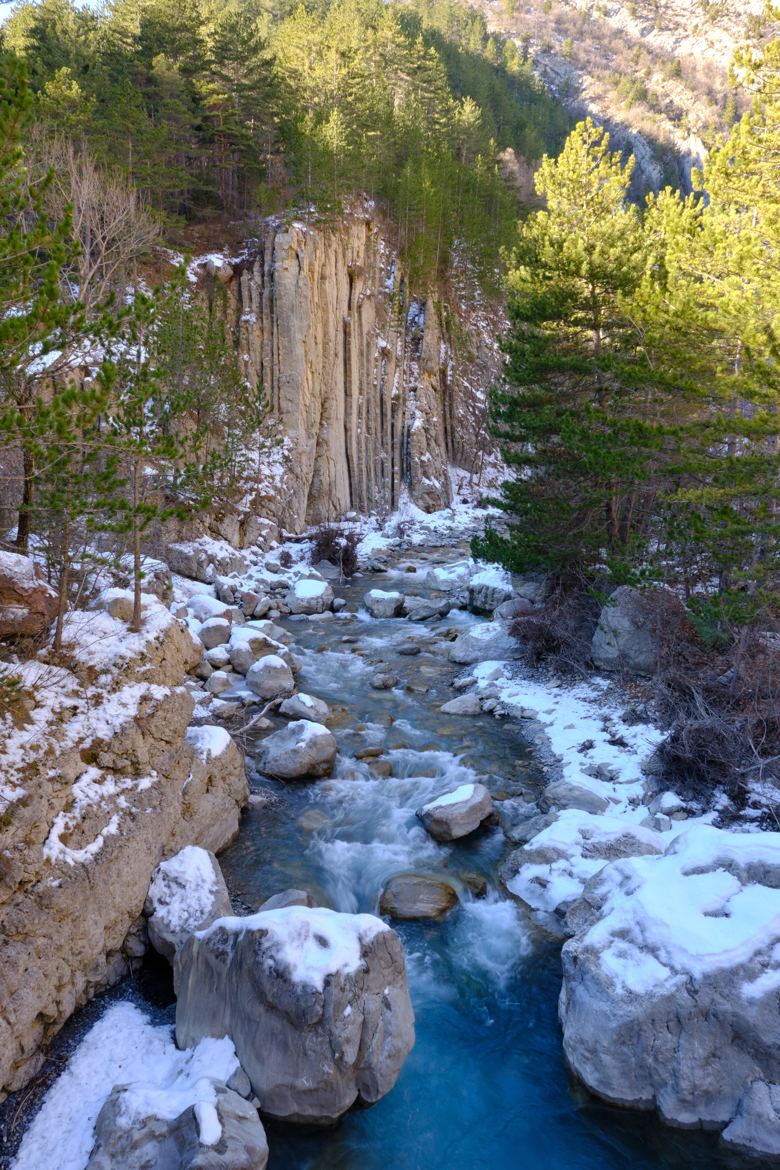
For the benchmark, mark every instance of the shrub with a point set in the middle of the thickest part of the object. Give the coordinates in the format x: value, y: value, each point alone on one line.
x: 338, y: 547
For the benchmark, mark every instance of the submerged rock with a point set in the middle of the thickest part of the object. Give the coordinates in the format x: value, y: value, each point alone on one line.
x: 316, y: 1003
x: 458, y: 813
x: 408, y: 896
x: 303, y: 749
x: 187, y: 893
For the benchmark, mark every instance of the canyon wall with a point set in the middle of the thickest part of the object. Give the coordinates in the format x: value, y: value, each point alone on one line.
x: 370, y: 391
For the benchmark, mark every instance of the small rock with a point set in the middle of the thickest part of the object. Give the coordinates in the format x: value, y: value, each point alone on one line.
x: 456, y: 814
x: 568, y: 794
x: 287, y: 898
x: 218, y: 657
x: 220, y: 681
x: 204, y: 670
x: 384, y: 681
x: 463, y: 705
x: 303, y: 706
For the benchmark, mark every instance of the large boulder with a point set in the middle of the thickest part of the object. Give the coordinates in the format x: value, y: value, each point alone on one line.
x: 27, y: 604
x: 383, y: 604
x: 214, y: 632
x: 483, y: 643
x: 187, y: 893
x: 248, y: 646
x: 409, y: 896
x: 632, y: 627
x: 670, y: 986
x: 316, y: 1003
x: 204, y: 559
x: 308, y: 595
x: 450, y: 578
x: 301, y: 750
x: 457, y: 813
x: 489, y: 588
x: 424, y: 609
x: 270, y: 676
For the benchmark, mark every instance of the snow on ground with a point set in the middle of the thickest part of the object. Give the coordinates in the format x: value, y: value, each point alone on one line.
x: 310, y: 944
x: 122, y: 1048
x: 95, y: 639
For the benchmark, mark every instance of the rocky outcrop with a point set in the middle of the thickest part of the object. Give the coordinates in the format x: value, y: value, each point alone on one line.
x: 670, y: 985
x: 315, y: 1002
x: 27, y: 604
x: 100, y: 782
x: 365, y: 381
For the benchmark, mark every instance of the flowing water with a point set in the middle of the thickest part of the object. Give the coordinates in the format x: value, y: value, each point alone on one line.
x: 485, y: 1085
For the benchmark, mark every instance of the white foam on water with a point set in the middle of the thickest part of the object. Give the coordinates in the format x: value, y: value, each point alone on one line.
x: 489, y: 937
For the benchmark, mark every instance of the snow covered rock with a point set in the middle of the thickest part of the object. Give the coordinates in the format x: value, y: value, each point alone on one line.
x: 27, y: 604
x: 303, y: 706
x: 485, y: 642
x: 220, y: 1131
x: 489, y: 588
x: 670, y: 986
x: 457, y: 813
x: 187, y: 893
x: 215, y: 631
x: 450, y: 578
x: 316, y: 1003
x: 409, y: 896
x: 550, y: 873
x: 220, y: 681
x: 382, y: 604
x: 204, y: 559
x: 270, y: 676
x: 248, y: 646
x: 574, y: 794
x: 308, y: 595
x: 303, y: 749
x: 118, y: 603
x: 756, y: 1127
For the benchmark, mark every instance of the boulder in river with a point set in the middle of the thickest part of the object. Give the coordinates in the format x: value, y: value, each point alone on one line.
x: 269, y: 677
x: 187, y: 892
x: 301, y: 750
x: 457, y: 813
x: 425, y: 609
x: 382, y: 604
x: 670, y: 985
x: 316, y: 1003
x: 409, y: 896
x: 462, y: 705
x: 489, y: 588
x: 309, y: 595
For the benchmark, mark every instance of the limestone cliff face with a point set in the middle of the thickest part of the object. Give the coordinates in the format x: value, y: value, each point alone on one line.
x: 100, y: 780
x: 363, y: 378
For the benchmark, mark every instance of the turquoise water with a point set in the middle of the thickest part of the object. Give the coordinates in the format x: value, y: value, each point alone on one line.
x: 485, y: 1085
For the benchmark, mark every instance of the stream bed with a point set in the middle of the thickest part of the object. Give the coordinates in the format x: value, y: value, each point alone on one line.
x: 485, y: 1084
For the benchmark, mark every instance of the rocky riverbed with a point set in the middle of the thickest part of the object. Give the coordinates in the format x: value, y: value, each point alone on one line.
x: 403, y: 763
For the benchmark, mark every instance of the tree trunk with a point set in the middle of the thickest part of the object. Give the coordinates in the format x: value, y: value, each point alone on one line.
x: 137, y: 621
x: 62, y: 607
x: 24, y: 525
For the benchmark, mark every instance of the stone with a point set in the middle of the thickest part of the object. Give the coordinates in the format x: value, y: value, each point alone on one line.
x: 425, y: 609
x: 220, y: 682
x: 458, y: 813
x: 382, y: 604
x: 669, y: 996
x: 756, y: 1127
x: 462, y: 705
x: 187, y: 893
x: 488, y: 589
x: 450, y: 578
x: 626, y: 637
x: 316, y: 1003
x: 130, y: 1137
x: 287, y: 898
x: 569, y: 794
x: 270, y: 676
x: 309, y: 596
x: 117, y: 603
x: 301, y: 750
x: 262, y: 608
x: 509, y: 611
x: 303, y: 706
x: 410, y: 896
x: 204, y: 559
x: 482, y: 643
x: 27, y: 604
x: 248, y: 646
x: 204, y: 670
x: 219, y: 657
x: 384, y: 680
x: 215, y: 631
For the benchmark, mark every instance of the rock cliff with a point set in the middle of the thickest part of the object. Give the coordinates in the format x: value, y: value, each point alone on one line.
x: 100, y: 780
x: 370, y: 390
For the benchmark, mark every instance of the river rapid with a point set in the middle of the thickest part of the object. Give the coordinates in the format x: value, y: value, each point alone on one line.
x: 485, y: 1085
